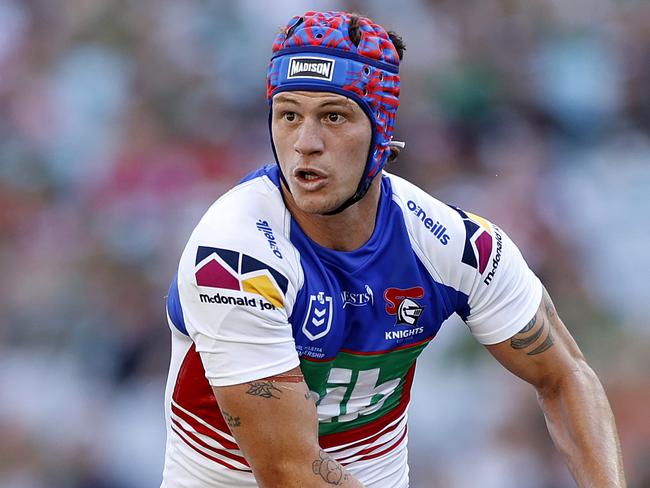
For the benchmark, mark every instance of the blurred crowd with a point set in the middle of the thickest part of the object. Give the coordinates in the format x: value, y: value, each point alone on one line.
x: 122, y: 120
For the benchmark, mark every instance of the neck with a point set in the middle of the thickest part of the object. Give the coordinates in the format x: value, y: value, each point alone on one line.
x: 345, y: 231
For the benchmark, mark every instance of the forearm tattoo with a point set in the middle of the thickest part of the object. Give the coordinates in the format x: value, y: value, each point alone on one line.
x: 530, y: 334
x: 329, y: 470
x: 264, y: 389
x: 230, y: 420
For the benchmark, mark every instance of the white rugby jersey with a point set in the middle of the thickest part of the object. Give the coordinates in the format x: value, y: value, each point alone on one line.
x: 255, y: 296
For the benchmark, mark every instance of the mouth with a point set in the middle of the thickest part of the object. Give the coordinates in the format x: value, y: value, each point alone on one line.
x: 309, y: 179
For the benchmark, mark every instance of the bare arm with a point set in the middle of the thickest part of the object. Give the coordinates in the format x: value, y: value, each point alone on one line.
x: 572, y: 398
x: 274, y: 422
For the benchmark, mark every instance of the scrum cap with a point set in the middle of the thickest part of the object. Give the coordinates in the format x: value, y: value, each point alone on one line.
x: 314, y: 52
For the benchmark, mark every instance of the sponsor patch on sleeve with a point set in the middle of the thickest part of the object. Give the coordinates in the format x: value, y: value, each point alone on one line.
x: 231, y: 270
x: 481, y: 239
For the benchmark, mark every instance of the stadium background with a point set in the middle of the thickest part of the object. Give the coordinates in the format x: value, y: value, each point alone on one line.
x: 122, y: 120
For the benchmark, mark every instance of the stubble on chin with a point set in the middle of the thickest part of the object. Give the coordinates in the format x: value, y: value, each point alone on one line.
x: 312, y: 206
x: 315, y: 203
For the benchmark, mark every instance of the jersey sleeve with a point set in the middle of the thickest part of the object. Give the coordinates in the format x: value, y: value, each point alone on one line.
x: 494, y: 290
x: 504, y: 293
x: 236, y: 294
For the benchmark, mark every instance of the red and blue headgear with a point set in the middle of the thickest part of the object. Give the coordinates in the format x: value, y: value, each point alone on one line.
x: 314, y: 53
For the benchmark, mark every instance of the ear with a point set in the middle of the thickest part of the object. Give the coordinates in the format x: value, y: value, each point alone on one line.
x: 394, y: 153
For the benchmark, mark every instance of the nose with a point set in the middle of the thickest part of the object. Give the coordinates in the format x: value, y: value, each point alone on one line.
x: 309, y: 139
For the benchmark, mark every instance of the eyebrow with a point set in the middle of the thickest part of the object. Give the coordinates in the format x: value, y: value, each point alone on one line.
x: 338, y: 103
x: 326, y: 103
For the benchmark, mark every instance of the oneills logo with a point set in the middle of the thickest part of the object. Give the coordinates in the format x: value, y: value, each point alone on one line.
x: 318, y: 68
x: 438, y: 230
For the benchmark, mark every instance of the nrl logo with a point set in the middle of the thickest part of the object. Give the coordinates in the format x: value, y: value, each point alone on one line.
x: 311, y: 67
x: 318, y: 320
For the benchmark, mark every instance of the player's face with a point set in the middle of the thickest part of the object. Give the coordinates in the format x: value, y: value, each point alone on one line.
x: 322, y: 141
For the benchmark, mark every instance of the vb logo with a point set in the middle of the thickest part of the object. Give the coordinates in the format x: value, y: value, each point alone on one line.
x: 350, y: 394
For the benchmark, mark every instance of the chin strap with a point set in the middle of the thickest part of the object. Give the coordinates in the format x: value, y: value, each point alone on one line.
x: 361, y: 192
x: 352, y: 200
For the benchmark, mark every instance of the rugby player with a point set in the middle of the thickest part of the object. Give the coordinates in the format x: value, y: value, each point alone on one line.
x: 306, y: 293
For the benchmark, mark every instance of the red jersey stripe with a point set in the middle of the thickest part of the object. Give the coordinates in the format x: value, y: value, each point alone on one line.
x: 206, y: 455
x: 207, y: 430
x: 207, y: 446
x: 367, y: 441
x: 381, y: 453
x: 372, y: 448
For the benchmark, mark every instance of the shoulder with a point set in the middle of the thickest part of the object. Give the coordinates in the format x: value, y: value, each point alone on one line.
x: 242, y: 242
x: 435, y: 229
x: 424, y: 215
x: 465, y: 251
x: 250, y: 217
x: 237, y: 283
x: 477, y: 258
x: 254, y: 198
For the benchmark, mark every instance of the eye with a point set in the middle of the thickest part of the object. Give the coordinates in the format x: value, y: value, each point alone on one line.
x: 335, y: 117
x: 289, y: 116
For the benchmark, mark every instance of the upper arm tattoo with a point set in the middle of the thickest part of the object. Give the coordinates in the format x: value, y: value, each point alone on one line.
x: 538, y: 327
x: 264, y: 389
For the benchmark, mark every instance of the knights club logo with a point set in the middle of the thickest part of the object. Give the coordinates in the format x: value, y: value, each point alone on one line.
x: 318, y: 320
x: 401, y: 302
x: 478, y: 240
x: 232, y: 270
